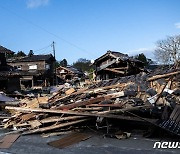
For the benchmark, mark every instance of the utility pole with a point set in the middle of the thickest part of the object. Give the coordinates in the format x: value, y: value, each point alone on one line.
x: 54, y: 49
x: 54, y: 52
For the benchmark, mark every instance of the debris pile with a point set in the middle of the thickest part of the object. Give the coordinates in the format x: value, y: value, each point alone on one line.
x: 149, y: 98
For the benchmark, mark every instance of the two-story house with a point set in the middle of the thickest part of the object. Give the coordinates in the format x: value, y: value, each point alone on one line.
x: 68, y: 72
x: 9, y: 79
x: 36, y: 70
x: 115, y: 64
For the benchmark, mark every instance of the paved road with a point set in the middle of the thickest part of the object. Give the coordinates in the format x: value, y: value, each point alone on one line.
x: 35, y: 144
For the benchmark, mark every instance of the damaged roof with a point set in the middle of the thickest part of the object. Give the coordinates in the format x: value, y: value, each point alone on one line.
x: 71, y: 69
x: 115, y: 54
x: 4, y: 98
x: 5, y: 50
x: 74, y: 70
x: 34, y: 58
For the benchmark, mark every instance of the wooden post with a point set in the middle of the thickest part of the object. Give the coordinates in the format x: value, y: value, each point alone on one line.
x: 32, y: 82
x: 45, y: 82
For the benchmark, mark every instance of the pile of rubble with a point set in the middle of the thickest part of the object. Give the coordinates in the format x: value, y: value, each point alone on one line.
x: 149, y: 98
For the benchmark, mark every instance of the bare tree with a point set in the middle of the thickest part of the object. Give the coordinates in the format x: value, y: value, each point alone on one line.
x: 168, y: 50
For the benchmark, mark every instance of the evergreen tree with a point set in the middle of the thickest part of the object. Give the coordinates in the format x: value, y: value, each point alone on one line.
x: 63, y: 63
x: 30, y: 53
x: 20, y: 54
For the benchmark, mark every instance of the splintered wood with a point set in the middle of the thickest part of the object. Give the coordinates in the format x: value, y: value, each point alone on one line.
x: 107, y: 99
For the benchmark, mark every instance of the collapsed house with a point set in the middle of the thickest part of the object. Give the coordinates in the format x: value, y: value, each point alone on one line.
x: 115, y: 64
x: 35, y: 70
x: 68, y: 73
x: 156, y: 103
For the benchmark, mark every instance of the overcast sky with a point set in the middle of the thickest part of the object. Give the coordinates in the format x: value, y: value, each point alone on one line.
x: 87, y: 28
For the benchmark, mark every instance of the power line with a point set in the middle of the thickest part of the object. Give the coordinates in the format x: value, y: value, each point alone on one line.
x: 47, y: 52
x: 42, y: 48
x: 45, y: 30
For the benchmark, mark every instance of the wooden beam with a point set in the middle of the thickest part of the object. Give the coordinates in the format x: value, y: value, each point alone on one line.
x: 88, y: 109
x: 115, y: 71
x: 52, y: 127
x: 163, y: 76
x: 120, y: 68
x: 51, y: 100
x: 39, y: 110
x: 82, y: 103
x: 86, y: 91
x: 58, y: 119
x: 91, y: 101
x: 106, y: 105
x: 127, y: 109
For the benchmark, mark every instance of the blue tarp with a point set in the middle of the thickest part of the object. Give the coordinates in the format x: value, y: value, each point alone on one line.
x: 4, y: 98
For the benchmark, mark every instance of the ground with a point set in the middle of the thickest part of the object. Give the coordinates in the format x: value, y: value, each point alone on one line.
x: 97, y: 144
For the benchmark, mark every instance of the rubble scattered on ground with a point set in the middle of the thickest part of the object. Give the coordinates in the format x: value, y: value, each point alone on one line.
x: 146, y: 97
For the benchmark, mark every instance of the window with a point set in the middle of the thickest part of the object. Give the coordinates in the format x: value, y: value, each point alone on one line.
x: 47, y: 66
x: 32, y: 67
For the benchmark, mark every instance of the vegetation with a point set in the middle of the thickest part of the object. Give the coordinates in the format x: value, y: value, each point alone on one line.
x: 168, y: 50
x: 83, y: 65
x: 30, y: 53
x: 144, y: 59
x: 20, y: 54
x: 63, y: 63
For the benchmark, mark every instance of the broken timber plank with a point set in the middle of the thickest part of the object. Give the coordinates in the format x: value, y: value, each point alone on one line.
x: 88, y: 90
x: 113, y: 70
x: 69, y: 91
x: 106, y: 105
x: 52, y: 127
x: 163, y: 76
x: 4, y: 117
x: 58, y: 119
x: 27, y: 116
x: 34, y: 123
x: 8, y: 140
x: 21, y: 125
x: 51, y: 100
x: 120, y: 68
x: 88, y: 109
x: 82, y: 103
x: 91, y: 101
x: 128, y: 109
x: 69, y: 140
x: 77, y: 113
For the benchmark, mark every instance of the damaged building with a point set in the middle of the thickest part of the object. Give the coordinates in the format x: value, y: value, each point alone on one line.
x: 6, y: 52
x: 68, y: 73
x: 35, y: 70
x: 115, y: 64
x: 9, y: 79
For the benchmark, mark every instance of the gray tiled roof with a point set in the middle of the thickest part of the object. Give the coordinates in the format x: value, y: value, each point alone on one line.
x: 5, y: 50
x: 34, y: 58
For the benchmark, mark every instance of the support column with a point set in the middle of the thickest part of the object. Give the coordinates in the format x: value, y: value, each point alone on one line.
x: 45, y: 82
x: 32, y: 82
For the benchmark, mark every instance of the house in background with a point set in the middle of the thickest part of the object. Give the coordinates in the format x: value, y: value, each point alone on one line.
x: 7, y: 52
x: 9, y: 79
x: 115, y: 64
x: 68, y: 73
x: 36, y: 70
